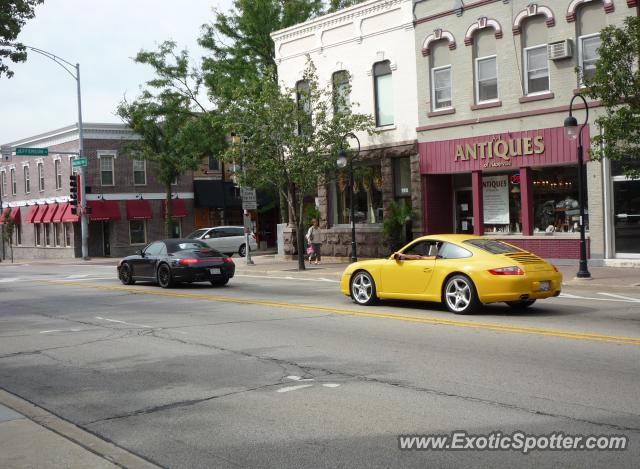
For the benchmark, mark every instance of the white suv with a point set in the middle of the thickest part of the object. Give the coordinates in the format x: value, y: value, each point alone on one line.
x: 226, y: 239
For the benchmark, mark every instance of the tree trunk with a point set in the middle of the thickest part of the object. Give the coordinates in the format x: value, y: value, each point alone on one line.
x: 168, y: 212
x: 298, y: 223
x: 284, y: 208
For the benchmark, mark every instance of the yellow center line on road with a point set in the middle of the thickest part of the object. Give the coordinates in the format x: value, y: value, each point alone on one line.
x: 587, y: 336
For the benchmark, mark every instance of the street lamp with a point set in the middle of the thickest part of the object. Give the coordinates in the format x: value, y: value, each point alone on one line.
x: 572, y: 132
x: 342, y: 161
x: 70, y: 69
x: 236, y: 140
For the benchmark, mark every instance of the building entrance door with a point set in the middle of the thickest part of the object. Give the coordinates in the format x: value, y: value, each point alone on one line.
x: 626, y: 213
x: 464, y: 211
x: 106, y: 245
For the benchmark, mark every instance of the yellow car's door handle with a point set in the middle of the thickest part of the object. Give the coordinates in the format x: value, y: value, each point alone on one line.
x: 427, y: 269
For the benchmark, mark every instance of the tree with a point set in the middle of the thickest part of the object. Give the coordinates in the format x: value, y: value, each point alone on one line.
x: 335, y: 5
x: 616, y: 83
x: 13, y: 16
x: 291, y: 138
x: 175, y: 128
x: 8, y: 229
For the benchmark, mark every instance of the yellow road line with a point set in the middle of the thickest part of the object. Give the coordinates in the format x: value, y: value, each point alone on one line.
x: 358, y: 313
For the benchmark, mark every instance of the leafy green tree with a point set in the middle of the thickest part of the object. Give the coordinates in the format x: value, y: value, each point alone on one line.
x: 335, y: 5
x: 13, y: 16
x: 8, y: 228
x: 175, y: 128
x: 290, y: 137
x: 616, y: 83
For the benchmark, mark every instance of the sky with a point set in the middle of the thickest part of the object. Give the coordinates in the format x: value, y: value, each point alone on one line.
x: 102, y: 36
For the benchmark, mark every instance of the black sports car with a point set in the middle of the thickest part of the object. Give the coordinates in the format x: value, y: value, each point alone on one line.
x: 170, y: 261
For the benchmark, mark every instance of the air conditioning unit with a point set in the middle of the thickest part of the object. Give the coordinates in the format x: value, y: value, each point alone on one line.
x: 560, y: 50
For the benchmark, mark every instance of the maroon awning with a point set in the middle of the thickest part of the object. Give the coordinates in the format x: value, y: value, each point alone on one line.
x: 139, y: 210
x: 57, y: 218
x: 41, y: 214
x: 15, y: 215
x: 53, y: 210
x: 67, y: 216
x: 104, y: 210
x: 31, y: 214
x: 178, y: 207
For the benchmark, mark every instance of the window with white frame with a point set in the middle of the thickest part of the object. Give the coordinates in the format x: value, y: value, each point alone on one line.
x: 27, y: 181
x: 485, y: 66
x: 18, y: 234
x: 37, y: 233
x: 341, y: 88
x: 137, y: 232
x: 41, y: 177
x: 47, y: 233
x: 536, y: 64
x: 106, y: 170
x: 440, y: 75
x: 589, y: 22
x: 58, y: 171
x: 176, y: 228
x: 441, y: 79
x: 383, y: 90
x: 3, y: 188
x: 303, y: 101
x: 14, y: 182
x: 67, y: 234
x: 139, y: 172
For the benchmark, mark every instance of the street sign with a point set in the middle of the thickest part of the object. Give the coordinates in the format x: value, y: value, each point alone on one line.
x: 249, y: 201
x: 32, y: 151
x: 78, y: 162
x: 6, y: 153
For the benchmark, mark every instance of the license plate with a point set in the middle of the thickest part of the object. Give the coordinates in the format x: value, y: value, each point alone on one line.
x: 214, y: 271
x: 544, y: 286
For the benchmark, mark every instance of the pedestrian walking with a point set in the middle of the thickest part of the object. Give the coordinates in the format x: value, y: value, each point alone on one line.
x: 314, y: 239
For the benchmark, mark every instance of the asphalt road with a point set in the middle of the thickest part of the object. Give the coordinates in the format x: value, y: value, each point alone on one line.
x: 284, y: 372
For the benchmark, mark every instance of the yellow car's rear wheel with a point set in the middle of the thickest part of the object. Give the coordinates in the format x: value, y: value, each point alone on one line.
x: 460, y: 296
x: 363, y: 288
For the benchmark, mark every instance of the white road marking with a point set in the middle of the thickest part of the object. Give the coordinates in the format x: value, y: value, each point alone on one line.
x: 123, y: 322
x: 635, y: 300
x: 8, y: 280
x: 294, y: 388
x: 298, y: 378
x: 60, y: 330
x: 76, y: 276
x: 95, y: 278
x: 576, y: 297
x: 331, y: 385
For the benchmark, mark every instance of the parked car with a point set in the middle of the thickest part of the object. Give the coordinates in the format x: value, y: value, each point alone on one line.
x: 171, y: 261
x: 226, y: 239
x: 461, y: 271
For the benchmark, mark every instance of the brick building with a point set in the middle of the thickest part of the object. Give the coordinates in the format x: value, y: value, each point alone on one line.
x: 127, y: 203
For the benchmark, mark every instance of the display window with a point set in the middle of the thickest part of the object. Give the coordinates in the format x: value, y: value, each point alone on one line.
x: 501, y: 197
x: 555, y: 198
x: 367, y: 195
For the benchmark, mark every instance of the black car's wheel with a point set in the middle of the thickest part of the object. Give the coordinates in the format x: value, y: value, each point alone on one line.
x: 460, y: 296
x: 520, y: 304
x: 243, y: 250
x: 220, y: 281
x: 126, y: 276
x: 164, y: 276
x: 363, y: 288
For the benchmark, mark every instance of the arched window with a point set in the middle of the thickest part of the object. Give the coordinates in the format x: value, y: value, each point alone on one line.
x: 534, y: 53
x: 383, y: 89
x: 590, y: 22
x: 341, y: 89
x: 440, y: 62
x: 485, y: 66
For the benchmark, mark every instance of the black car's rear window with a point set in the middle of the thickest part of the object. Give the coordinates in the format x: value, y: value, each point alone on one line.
x: 178, y: 245
x: 492, y: 246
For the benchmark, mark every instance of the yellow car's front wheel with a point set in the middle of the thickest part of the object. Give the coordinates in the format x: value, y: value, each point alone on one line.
x: 363, y: 288
x: 460, y: 296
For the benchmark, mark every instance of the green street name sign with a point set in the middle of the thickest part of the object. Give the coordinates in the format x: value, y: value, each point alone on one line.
x: 79, y: 162
x: 32, y: 151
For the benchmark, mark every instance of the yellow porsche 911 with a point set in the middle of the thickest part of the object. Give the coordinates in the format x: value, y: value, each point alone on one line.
x: 461, y: 271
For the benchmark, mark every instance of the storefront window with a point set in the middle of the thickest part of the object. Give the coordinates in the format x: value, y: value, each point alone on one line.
x: 501, y: 198
x: 67, y: 234
x: 367, y: 196
x: 555, y: 196
x: 402, y: 177
x: 137, y: 232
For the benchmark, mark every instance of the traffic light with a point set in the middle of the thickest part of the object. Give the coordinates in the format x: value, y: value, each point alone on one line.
x: 73, y: 193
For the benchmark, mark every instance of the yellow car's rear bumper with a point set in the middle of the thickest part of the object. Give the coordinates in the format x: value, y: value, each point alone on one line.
x: 531, y: 286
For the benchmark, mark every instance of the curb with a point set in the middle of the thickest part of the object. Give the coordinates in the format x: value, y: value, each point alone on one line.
x: 75, y: 434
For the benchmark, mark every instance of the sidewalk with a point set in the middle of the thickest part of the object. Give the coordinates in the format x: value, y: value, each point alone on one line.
x: 31, y: 437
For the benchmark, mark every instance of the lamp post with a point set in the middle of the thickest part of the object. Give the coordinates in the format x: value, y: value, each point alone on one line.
x: 342, y: 161
x: 74, y: 71
x: 572, y: 132
x: 236, y: 140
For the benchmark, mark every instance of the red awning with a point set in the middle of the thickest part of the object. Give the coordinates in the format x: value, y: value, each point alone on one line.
x: 53, y: 210
x: 41, y: 214
x: 31, y: 214
x: 179, y: 209
x: 15, y: 215
x: 104, y: 210
x: 57, y: 218
x: 66, y: 216
x: 139, y: 210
